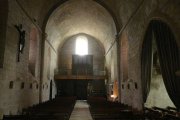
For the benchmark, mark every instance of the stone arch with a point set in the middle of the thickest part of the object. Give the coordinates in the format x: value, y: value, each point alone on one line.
x: 95, y: 48
x: 159, y: 37
x: 68, y: 16
x: 101, y: 25
x: 84, y: 34
x: 64, y: 1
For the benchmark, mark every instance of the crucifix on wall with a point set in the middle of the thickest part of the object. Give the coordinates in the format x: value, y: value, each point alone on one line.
x: 21, y: 42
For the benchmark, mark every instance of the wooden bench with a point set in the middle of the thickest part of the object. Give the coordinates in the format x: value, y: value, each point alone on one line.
x: 56, y: 109
x: 101, y: 109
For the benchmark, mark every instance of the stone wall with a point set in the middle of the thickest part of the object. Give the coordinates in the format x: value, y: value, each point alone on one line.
x: 163, y: 10
x: 25, y: 89
x: 49, y: 67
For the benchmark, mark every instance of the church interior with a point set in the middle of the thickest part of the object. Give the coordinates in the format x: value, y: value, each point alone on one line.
x: 90, y: 60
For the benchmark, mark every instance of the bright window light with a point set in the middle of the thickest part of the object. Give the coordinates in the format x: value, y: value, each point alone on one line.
x: 81, y: 45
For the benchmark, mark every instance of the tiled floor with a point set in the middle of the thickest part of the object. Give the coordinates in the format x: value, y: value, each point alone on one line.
x: 81, y: 111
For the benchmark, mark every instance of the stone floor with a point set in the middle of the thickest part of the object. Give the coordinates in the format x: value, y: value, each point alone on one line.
x: 81, y: 111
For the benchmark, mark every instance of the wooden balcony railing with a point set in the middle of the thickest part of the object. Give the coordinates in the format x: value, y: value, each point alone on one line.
x: 66, y: 74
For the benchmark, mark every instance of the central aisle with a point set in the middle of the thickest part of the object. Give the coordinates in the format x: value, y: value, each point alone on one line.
x: 81, y: 111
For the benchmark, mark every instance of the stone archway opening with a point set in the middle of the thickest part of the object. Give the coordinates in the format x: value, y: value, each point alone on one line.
x: 74, y: 18
x: 160, y: 61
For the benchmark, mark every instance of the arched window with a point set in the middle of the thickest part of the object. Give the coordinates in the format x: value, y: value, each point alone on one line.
x: 81, y: 45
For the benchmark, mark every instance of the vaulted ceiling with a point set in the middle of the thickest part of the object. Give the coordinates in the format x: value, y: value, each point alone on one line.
x: 80, y: 16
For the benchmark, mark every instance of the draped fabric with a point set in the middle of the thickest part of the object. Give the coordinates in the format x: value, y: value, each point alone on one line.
x: 146, y: 63
x: 169, y: 59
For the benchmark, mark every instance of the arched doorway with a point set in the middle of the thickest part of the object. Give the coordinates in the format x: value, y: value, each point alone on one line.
x: 160, y: 54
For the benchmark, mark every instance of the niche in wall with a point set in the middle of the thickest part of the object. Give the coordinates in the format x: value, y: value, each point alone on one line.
x: 37, y: 86
x: 128, y: 86
x: 46, y: 86
x: 11, y: 85
x: 31, y: 85
x: 22, y: 85
x: 122, y: 86
x: 136, y: 85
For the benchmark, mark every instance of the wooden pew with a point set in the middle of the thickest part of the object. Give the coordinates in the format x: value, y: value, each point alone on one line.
x: 161, y: 113
x: 56, y: 109
x: 151, y: 114
x: 15, y: 117
x: 101, y: 109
